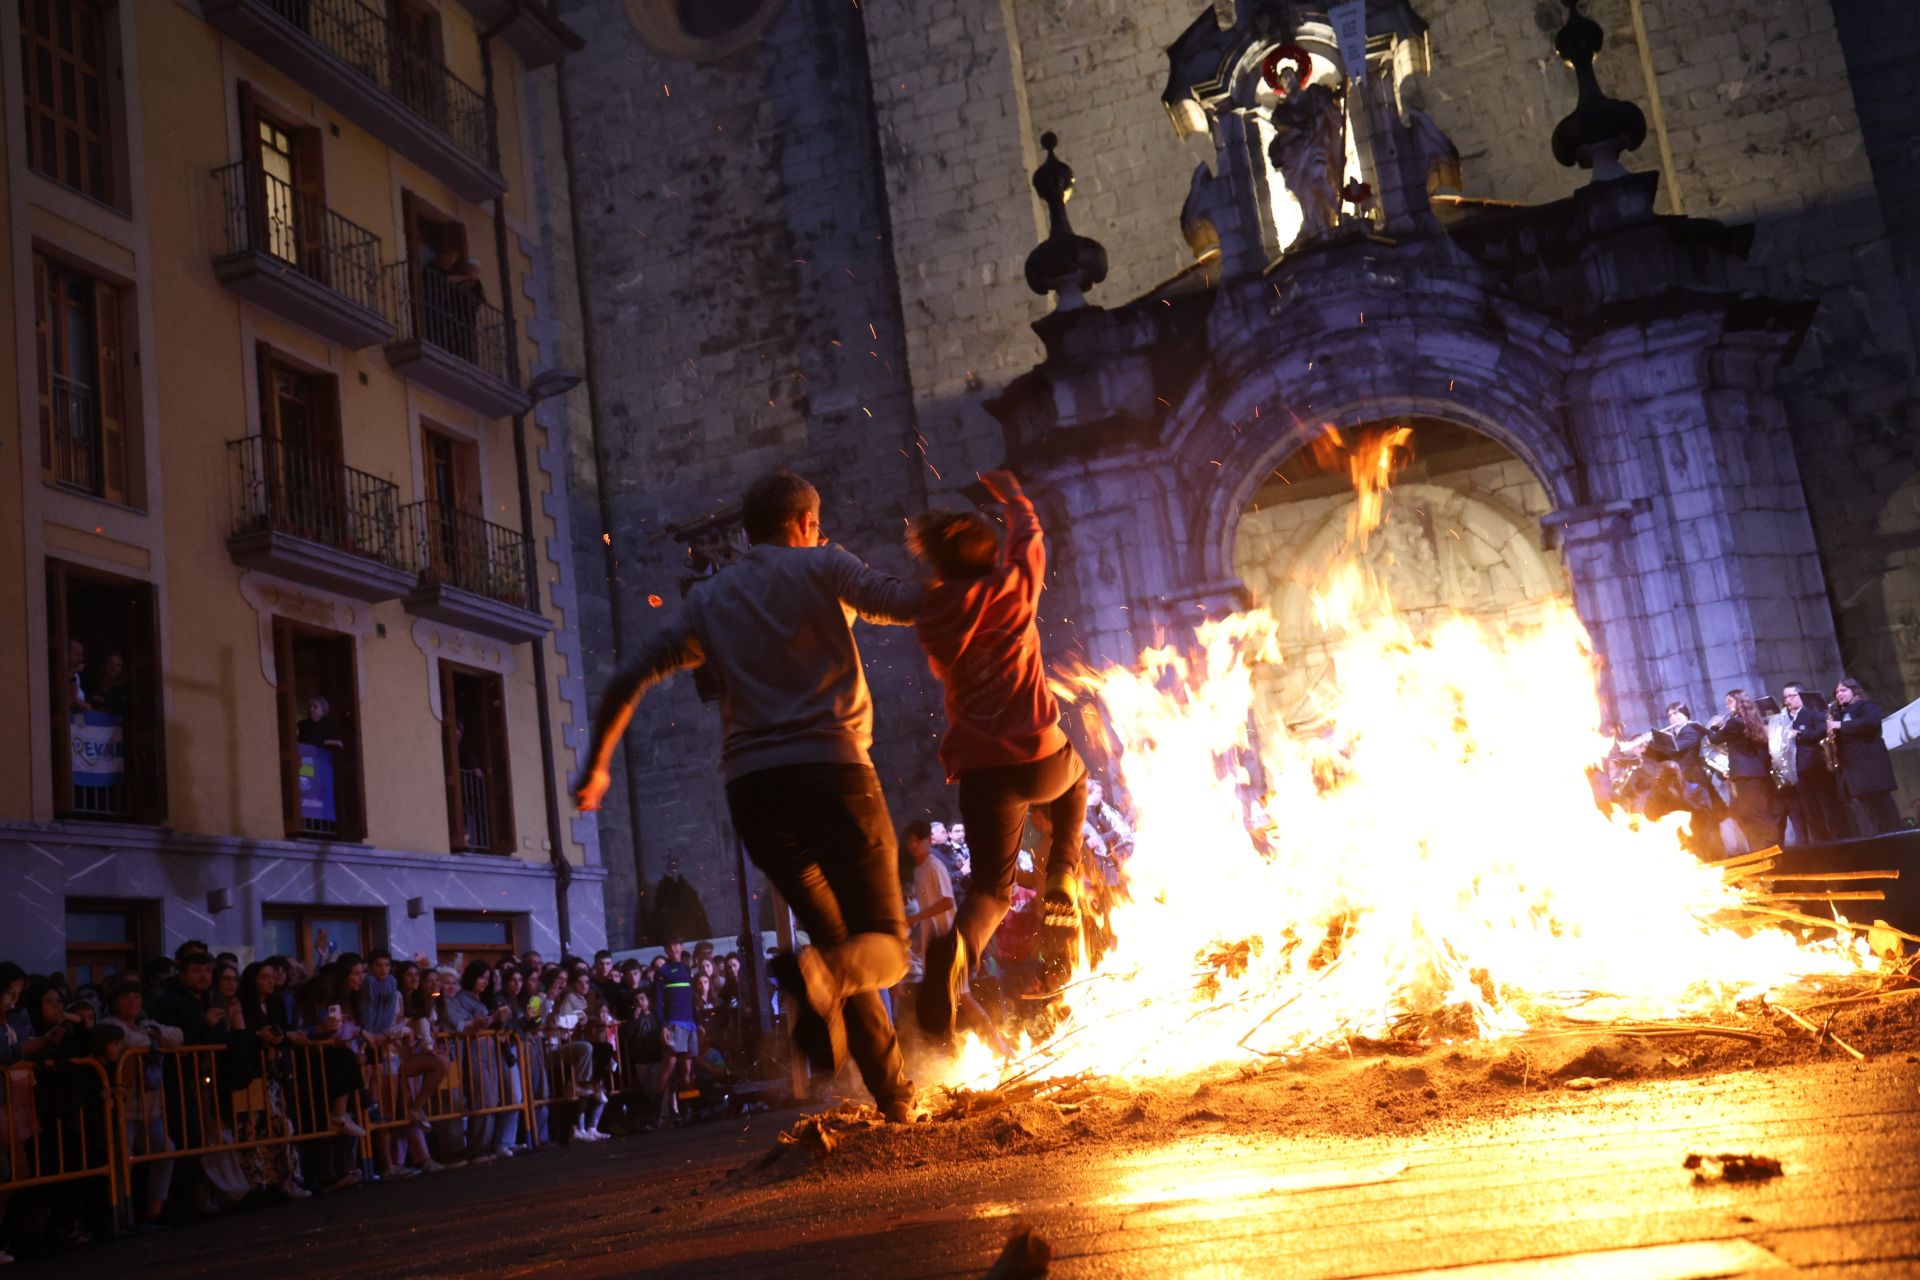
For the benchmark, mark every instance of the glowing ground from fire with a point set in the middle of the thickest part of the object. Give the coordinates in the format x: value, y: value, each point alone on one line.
x: 1427, y: 862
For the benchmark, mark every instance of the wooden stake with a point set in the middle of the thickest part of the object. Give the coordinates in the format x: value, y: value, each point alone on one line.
x: 1836, y: 895
x: 1841, y: 875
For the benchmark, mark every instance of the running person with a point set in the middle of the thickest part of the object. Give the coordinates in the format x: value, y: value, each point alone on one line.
x: 1004, y: 744
x: 775, y: 629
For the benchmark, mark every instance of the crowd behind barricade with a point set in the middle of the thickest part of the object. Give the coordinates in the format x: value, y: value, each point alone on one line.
x: 197, y: 1086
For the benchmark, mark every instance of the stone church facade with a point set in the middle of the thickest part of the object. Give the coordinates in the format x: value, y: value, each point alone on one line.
x: 1682, y: 397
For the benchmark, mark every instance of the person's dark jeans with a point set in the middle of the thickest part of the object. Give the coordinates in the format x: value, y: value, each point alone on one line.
x: 994, y: 804
x: 822, y: 835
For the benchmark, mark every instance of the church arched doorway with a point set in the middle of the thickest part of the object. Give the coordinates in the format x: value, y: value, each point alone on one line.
x: 1460, y: 534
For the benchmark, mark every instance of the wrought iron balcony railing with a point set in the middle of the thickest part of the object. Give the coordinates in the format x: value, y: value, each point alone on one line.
x: 433, y: 307
x: 455, y: 549
x: 293, y: 492
x: 262, y: 213
x: 367, y: 41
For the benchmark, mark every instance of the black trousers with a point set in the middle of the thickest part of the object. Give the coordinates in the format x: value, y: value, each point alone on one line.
x: 1753, y: 811
x: 1818, y: 810
x: 994, y: 804
x: 822, y: 835
x: 1877, y: 813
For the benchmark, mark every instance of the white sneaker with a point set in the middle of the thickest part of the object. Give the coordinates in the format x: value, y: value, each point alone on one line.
x: 294, y: 1191
x: 349, y: 1126
x: 400, y: 1171
x: 505, y: 1153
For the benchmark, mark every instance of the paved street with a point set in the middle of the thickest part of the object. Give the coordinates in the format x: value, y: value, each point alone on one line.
x: 1559, y: 1184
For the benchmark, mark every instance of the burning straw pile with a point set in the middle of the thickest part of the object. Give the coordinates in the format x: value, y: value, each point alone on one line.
x: 1423, y: 863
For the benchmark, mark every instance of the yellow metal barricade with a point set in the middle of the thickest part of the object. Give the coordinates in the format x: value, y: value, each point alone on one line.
x: 216, y: 1100
x: 487, y: 1077
x: 46, y: 1144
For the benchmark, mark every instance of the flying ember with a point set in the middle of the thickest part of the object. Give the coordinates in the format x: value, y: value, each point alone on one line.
x: 1426, y: 859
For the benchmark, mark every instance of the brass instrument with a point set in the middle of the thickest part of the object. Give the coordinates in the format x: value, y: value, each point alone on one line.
x: 1830, y: 745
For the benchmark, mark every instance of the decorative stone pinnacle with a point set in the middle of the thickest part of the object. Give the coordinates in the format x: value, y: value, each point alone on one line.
x: 1063, y: 263
x: 1599, y: 128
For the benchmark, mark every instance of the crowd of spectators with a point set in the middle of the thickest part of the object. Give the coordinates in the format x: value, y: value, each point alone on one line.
x: 315, y: 1069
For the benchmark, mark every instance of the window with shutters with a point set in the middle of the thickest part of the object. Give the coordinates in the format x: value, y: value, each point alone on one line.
x: 81, y: 376
x: 66, y: 80
x: 460, y: 937
x: 104, y: 939
x: 473, y: 723
x: 103, y: 656
x: 320, y: 774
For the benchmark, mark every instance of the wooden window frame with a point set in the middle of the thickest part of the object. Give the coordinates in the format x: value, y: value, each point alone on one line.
x: 493, y: 953
x: 496, y: 766
x: 143, y: 734
x: 350, y: 803
x: 62, y: 144
x: 57, y: 366
x: 130, y: 952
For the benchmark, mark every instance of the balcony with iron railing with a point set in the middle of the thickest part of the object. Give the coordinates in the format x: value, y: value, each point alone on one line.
x: 360, y: 63
x: 473, y: 574
x: 309, y: 518
x: 288, y: 252
x: 452, y: 341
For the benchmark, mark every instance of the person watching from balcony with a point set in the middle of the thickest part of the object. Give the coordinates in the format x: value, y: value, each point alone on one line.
x: 112, y: 693
x: 319, y: 729
x: 1004, y: 744
x: 75, y: 677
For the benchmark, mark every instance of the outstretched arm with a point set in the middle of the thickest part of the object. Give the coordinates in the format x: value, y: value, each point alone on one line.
x: 879, y: 598
x: 661, y: 654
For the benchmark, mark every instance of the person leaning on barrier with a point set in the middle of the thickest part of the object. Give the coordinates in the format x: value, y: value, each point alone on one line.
x: 566, y: 1015
x: 143, y: 1101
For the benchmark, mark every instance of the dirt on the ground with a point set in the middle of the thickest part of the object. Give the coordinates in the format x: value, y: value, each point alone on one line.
x: 1350, y: 1090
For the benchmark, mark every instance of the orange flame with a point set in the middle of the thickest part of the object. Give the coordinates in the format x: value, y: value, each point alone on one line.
x: 1430, y: 857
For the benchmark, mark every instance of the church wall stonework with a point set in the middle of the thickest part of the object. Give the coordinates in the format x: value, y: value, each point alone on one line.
x: 831, y: 224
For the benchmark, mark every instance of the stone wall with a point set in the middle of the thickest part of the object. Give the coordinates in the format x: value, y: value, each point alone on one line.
x: 738, y: 280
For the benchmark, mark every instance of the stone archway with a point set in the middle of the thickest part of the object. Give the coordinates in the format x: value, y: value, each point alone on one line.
x: 1467, y: 542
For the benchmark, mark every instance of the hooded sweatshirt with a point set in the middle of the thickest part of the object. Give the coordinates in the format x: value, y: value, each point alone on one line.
x: 982, y: 643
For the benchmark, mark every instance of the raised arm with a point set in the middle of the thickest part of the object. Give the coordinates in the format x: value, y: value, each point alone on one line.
x: 662, y: 653
x: 879, y: 598
x: 1025, y: 547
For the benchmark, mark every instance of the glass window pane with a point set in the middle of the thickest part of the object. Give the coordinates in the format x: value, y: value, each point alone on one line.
x: 281, y: 936
x: 472, y: 933
x: 342, y: 935
x: 98, y: 926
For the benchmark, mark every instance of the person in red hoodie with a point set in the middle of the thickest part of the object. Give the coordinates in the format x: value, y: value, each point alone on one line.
x: 1004, y: 744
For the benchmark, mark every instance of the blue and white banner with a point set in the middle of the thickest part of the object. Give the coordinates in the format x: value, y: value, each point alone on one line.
x: 99, y: 749
x: 316, y: 783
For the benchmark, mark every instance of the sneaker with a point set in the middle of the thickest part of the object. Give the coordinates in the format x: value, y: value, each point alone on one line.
x: 505, y: 1153
x: 1062, y: 901
x: 349, y: 1126
x: 902, y: 1111
x: 400, y: 1171
x: 820, y: 1037
x: 351, y: 1178
x: 938, y: 1002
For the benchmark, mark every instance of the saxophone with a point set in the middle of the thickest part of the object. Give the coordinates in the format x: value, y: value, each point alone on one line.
x: 1830, y: 745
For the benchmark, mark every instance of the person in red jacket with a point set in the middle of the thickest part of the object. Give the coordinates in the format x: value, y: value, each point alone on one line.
x: 1004, y: 744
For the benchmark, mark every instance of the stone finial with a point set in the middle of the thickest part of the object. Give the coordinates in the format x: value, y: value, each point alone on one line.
x: 1599, y: 128
x: 1063, y: 263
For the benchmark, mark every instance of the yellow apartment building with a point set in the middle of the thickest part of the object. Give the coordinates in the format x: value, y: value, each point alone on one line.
x: 282, y: 570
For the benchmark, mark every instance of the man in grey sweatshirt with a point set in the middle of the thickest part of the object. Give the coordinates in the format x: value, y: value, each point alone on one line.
x: 775, y: 630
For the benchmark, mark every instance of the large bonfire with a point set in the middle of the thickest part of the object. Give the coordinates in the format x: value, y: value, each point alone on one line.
x: 1429, y: 861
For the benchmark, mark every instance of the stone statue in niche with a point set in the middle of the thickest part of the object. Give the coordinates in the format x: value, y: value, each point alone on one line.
x: 1309, y: 144
x: 1405, y: 562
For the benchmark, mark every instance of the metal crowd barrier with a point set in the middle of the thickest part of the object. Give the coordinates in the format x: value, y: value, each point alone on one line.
x: 41, y: 1145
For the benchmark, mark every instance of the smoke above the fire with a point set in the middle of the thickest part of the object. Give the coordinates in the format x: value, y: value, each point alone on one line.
x: 1427, y: 859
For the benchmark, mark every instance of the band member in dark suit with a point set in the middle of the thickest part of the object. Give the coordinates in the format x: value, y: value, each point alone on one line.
x: 1675, y: 777
x: 1743, y: 732
x: 1813, y: 801
x: 1866, y: 770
